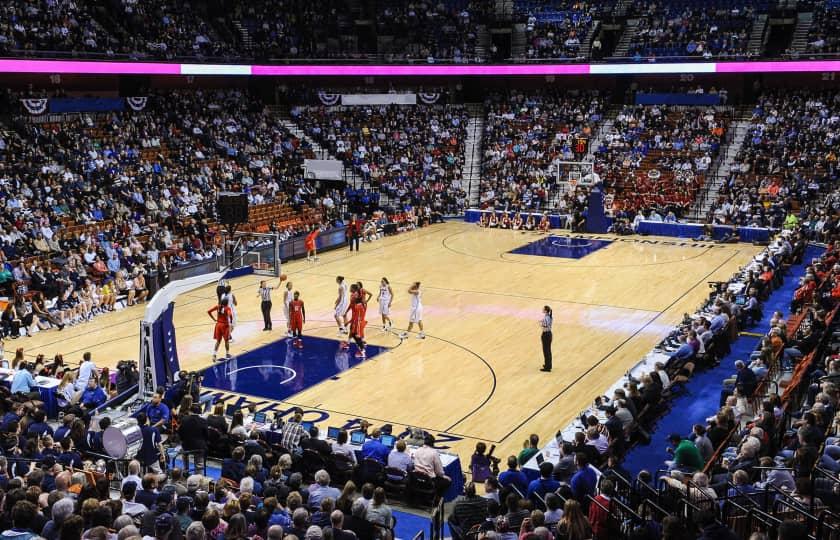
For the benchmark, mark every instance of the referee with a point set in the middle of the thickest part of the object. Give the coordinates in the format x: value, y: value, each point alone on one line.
x: 265, y: 302
x: 545, y: 324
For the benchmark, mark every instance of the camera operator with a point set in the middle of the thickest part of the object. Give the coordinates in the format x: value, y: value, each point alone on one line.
x: 127, y: 375
x: 187, y: 383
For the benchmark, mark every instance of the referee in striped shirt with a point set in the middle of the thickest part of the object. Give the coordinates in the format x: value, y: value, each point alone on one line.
x: 265, y: 303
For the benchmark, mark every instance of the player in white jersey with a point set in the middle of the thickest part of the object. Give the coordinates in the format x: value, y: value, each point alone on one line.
x: 416, y: 313
x: 232, y: 303
x: 342, y: 304
x: 385, y: 299
x: 288, y: 296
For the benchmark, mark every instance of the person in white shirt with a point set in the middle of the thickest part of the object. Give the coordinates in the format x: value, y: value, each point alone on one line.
x: 342, y: 447
x: 86, y: 370
x: 416, y: 313
x: 427, y: 461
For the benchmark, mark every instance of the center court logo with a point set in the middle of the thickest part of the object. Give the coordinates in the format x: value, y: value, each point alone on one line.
x: 289, y: 373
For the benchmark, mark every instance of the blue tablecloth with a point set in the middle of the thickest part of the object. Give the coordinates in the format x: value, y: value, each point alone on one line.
x: 557, y: 221
x: 694, y: 230
x: 50, y: 401
x: 452, y: 469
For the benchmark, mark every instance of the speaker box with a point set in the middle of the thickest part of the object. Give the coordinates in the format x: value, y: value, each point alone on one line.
x: 232, y: 208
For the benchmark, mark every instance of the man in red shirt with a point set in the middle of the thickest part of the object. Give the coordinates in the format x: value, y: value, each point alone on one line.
x: 604, y: 526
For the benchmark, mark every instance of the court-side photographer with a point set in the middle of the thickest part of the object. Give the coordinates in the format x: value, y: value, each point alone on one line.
x: 127, y: 375
x: 187, y: 383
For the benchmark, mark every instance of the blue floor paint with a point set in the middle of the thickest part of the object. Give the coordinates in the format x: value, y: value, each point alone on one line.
x: 702, y: 395
x: 278, y: 370
x: 562, y: 247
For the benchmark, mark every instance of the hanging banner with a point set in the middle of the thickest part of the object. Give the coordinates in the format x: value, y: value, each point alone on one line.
x: 35, y: 106
x: 429, y: 98
x: 137, y: 103
x: 329, y: 99
x: 379, y: 99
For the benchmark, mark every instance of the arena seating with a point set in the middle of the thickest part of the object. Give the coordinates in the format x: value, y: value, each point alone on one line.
x: 523, y: 134
x: 414, y: 154
x: 692, y: 29
x: 447, y: 31
x: 557, y: 29
x: 769, y: 178
x: 138, y: 188
x: 822, y: 37
x: 657, y: 156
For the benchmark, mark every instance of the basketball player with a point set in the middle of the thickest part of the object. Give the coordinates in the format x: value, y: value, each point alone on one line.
x: 220, y: 288
x: 222, y: 330
x: 357, y: 324
x: 416, y: 313
x: 385, y: 299
x: 362, y: 294
x: 342, y: 303
x: 288, y: 296
x: 310, y: 244
x: 232, y: 303
x: 297, y: 317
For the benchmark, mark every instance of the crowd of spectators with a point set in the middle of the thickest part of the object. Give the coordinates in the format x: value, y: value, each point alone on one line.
x: 691, y: 30
x: 425, y: 30
x: 788, y: 154
x: 558, y: 28
x: 93, y: 204
x: 656, y: 157
x: 292, y: 28
x: 55, y: 482
x: 822, y: 36
x: 414, y: 154
x: 524, y: 133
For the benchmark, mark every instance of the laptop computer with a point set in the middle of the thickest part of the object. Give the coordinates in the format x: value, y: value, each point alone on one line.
x: 332, y: 432
x: 357, y: 437
x: 259, y: 417
x: 307, y: 425
x: 388, y: 440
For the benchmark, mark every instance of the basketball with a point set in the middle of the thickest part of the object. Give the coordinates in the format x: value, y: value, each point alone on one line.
x: 283, y: 277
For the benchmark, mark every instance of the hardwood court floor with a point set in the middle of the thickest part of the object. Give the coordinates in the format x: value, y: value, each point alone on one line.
x: 476, y: 376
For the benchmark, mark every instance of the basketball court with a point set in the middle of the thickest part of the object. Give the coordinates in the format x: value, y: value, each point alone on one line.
x: 476, y: 375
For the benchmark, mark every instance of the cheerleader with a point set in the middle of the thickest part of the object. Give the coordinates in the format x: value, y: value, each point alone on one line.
x: 530, y: 225
x: 482, y: 220
x: 545, y: 224
x: 232, y: 303
x: 416, y: 313
x: 223, y: 318
x: 494, y: 221
x: 385, y: 299
x: 505, y: 221
x: 517, y: 222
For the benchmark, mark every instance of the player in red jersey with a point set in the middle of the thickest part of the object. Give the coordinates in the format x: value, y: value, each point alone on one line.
x: 361, y: 294
x: 223, y: 319
x: 297, y: 316
x: 310, y: 244
x: 357, y: 311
